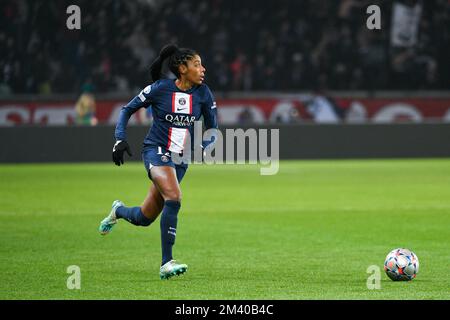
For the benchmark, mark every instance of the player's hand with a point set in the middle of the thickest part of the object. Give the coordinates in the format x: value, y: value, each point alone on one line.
x: 203, y: 153
x: 119, y: 148
x: 206, y: 145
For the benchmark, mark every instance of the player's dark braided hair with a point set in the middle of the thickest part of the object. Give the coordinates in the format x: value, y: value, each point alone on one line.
x: 176, y: 56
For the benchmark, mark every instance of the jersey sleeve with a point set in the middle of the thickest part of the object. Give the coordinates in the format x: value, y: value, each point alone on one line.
x: 209, y: 112
x: 143, y: 99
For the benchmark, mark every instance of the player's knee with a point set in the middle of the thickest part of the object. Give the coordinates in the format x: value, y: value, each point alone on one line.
x: 174, y: 195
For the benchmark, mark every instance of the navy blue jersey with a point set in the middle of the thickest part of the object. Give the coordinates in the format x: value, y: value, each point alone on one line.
x: 174, y: 112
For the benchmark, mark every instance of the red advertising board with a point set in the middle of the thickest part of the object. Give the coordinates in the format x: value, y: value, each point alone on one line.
x: 250, y: 110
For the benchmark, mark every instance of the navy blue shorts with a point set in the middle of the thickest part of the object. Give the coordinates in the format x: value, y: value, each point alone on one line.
x: 160, y: 156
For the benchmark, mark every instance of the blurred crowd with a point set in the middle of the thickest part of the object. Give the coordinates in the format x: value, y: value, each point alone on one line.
x: 278, y: 45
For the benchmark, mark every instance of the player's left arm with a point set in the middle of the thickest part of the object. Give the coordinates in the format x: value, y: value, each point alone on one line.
x: 143, y: 99
x: 209, y: 112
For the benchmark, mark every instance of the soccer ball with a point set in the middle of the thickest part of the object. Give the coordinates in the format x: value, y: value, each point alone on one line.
x: 401, y: 265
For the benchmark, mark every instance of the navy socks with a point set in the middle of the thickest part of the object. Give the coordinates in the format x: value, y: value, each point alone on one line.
x: 169, y: 218
x: 133, y: 215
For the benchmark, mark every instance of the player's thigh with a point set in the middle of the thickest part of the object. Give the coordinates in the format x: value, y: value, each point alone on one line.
x: 165, y: 180
x: 153, y: 203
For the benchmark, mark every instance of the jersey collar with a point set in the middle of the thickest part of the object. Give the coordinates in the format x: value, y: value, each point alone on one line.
x: 187, y: 91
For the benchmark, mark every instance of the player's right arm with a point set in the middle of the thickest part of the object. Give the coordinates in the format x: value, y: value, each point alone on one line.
x: 209, y: 113
x: 143, y: 99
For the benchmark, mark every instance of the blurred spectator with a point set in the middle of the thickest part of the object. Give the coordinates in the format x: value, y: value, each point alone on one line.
x: 325, y: 110
x: 245, y: 45
x: 286, y: 113
x: 85, y: 109
x: 294, y: 115
x: 245, y: 116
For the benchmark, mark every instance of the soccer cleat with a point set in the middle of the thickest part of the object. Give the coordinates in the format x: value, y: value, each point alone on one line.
x: 108, y: 223
x: 171, y: 269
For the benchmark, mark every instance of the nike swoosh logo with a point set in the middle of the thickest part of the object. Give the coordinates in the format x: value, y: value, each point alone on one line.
x: 181, y: 109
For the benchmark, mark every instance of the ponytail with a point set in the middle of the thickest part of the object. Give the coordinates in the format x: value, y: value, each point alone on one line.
x: 176, y: 57
x: 156, y: 67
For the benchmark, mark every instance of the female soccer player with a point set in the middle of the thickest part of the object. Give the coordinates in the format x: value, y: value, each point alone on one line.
x: 175, y: 104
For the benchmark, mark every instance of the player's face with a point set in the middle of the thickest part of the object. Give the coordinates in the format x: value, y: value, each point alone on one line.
x: 195, y: 71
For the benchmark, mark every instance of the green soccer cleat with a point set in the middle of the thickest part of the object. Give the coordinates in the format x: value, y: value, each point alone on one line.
x: 108, y: 223
x: 171, y: 269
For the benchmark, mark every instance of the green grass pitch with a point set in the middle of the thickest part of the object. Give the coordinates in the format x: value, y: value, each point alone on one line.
x: 308, y: 232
